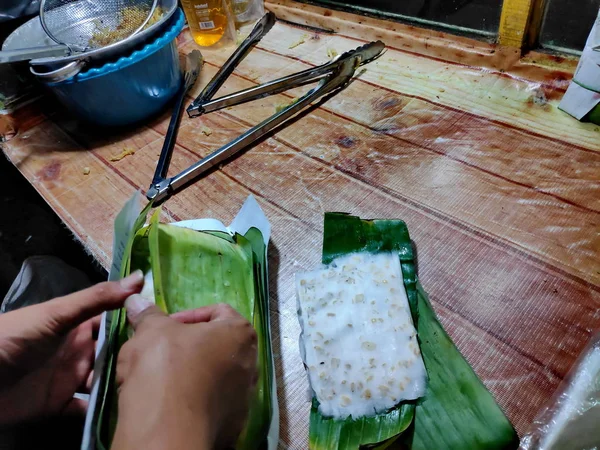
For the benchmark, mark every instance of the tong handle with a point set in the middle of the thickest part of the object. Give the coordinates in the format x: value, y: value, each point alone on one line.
x: 194, y: 62
x: 261, y: 28
x: 162, y: 167
x: 26, y: 54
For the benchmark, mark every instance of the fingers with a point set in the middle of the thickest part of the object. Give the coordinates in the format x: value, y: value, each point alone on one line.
x: 143, y: 313
x: 220, y: 311
x: 69, y: 311
x: 193, y: 315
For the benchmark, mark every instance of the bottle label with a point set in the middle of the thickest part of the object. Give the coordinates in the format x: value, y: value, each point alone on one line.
x: 208, y: 25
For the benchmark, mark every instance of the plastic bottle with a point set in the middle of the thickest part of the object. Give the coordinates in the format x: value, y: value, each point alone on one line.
x: 207, y: 20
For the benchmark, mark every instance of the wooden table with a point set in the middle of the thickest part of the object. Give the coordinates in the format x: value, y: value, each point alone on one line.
x: 500, y: 190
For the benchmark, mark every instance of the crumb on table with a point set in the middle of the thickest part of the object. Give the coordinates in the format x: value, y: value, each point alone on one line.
x: 126, y: 152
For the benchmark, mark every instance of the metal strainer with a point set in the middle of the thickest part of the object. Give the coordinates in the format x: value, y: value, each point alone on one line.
x: 87, y: 24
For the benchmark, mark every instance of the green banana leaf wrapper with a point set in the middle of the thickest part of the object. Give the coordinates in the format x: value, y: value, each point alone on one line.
x: 192, y: 269
x: 457, y: 411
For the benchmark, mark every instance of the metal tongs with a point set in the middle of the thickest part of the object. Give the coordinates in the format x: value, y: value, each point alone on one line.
x: 332, y: 77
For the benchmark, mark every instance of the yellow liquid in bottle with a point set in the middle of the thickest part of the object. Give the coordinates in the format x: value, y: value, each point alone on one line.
x: 207, y: 20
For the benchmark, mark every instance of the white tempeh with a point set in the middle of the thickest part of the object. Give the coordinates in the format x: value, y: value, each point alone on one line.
x: 358, y: 340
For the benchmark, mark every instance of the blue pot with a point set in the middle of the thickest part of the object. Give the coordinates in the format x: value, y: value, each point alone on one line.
x: 131, y: 89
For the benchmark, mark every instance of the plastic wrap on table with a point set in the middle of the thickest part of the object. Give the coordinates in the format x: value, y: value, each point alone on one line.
x: 571, y: 421
x: 247, y: 10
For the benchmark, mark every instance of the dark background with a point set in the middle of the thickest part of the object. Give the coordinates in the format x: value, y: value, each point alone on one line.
x: 568, y: 23
x: 29, y: 227
x: 477, y: 15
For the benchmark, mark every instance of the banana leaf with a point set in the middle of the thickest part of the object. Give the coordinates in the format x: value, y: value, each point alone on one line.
x: 347, y: 234
x: 457, y: 412
x: 193, y: 269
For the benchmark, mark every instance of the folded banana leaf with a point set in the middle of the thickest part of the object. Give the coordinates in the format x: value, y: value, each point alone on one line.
x: 457, y: 412
x: 193, y: 269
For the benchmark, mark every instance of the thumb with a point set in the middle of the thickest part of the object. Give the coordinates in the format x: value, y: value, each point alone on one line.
x: 142, y: 312
x: 65, y: 313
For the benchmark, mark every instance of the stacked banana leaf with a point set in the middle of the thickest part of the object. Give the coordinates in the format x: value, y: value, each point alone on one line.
x: 457, y: 412
x: 193, y: 269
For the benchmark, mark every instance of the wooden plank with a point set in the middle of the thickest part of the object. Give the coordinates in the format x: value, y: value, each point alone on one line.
x: 530, y: 106
x: 397, y: 114
x: 464, y: 194
x: 514, y: 21
x: 434, y: 43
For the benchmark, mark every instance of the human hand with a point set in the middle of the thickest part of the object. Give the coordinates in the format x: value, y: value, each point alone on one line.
x: 47, y: 350
x: 185, y: 380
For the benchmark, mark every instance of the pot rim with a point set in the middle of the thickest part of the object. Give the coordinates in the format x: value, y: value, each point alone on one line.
x: 133, y: 58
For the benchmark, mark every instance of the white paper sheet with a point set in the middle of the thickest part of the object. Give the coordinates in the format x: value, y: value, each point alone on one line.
x: 583, y: 93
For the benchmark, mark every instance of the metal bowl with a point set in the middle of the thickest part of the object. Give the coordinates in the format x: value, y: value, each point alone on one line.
x: 130, y: 89
x: 31, y: 34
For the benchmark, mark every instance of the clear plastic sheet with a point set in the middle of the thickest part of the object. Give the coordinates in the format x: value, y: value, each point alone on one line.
x: 571, y: 421
x: 247, y: 10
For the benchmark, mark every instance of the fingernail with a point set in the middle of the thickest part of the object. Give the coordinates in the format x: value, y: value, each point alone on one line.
x: 132, y: 281
x: 135, y: 304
